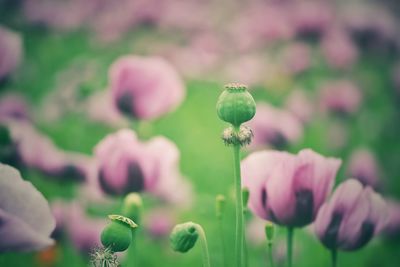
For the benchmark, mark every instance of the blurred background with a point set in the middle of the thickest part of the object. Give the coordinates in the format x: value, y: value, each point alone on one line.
x: 325, y: 75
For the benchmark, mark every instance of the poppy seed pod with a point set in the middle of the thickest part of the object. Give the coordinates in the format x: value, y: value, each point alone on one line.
x: 236, y: 105
x: 132, y: 206
x: 118, y: 234
x: 183, y: 237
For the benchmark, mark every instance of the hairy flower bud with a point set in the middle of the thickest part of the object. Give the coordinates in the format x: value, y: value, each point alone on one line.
x: 236, y: 105
x: 118, y: 234
x: 183, y: 237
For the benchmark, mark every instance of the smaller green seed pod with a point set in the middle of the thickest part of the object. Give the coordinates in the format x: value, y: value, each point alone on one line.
x: 269, y: 232
x: 236, y: 105
x: 132, y: 206
x: 183, y: 237
x: 117, y: 235
x: 220, y: 202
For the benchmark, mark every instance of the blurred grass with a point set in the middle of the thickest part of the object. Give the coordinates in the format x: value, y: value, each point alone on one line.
x: 206, y: 162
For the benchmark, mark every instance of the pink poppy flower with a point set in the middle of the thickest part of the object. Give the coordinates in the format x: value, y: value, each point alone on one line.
x: 13, y: 106
x: 300, y: 104
x: 342, y: 96
x: 338, y: 49
x: 10, y: 51
x: 297, y: 58
x: 145, y: 87
x: 288, y: 189
x: 392, y: 227
x: 127, y: 165
x: 274, y: 126
x: 364, y: 167
x: 351, y: 218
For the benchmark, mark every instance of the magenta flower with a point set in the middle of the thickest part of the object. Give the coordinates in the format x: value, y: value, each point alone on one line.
x: 364, y: 167
x: 25, y: 216
x: 13, y: 106
x: 392, y: 227
x: 288, y: 189
x: 342, y: 96
x: 338, y: 49
x: 300, y: 104
x: 274, y: 127
x: 297, y: 58
x: 82, y: 230
x: 10, y: 52
x: 351, y: 218
x: 145, y: 88
x: 126, y: 165
x: 37, y: 151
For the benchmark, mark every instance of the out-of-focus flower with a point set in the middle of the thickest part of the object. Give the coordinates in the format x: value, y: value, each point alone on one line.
x: 396, y: 77
x: 260, y: 24
x: 13, y: 106
x: 364, y: 167
x: 288, y: 189
x: 311, y: 18
x: 253, y: 64
x: 39, y: 152
x: 342, y: 97
x: 145, y: 87
x: 100, y: 108
x: 338, y: 49
x: 351, y: 218
x: 26, y: 220
x: 59, y: 15
x: 126, y: 165
x: 300, y: 104
x: 255, y: 231
x: 297, y: 57
x: 274, y: 127
x: 392, y: 227
x: 83, y: 231
x: 159, y: 223
x: 372, y: 26
x: 10, y: 51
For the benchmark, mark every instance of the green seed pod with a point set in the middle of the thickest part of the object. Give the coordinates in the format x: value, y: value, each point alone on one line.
x: 269, y: 232
x: 183, y: 237
x: 220, y: 202
x: 245, y: 196
x: 132, y: 206
x: 117, y: 235
x: 236, y: 105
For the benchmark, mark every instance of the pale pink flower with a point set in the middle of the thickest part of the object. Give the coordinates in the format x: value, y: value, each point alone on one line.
x: 363, y: 166
x: 11, y: 51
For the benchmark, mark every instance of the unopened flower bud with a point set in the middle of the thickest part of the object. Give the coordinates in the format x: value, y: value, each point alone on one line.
x: 132, y: 206
x: 117, y: 235
x: 183, y: 237
x: 236, y: 105
x: 269, y: 232
x: 245, y: 196
x: 220, y: 202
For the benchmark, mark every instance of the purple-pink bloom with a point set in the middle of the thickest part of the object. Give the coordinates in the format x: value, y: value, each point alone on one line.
x: 274, y: 126
x: 159, y: 222
x: 300, y: 104
x: 351, y: 218
x: 25, y: 216
x: 392, y: 227
x: 10, y: 51
x: 288, y: 189
x: 13, y: 106
x: 127, y: 165
x: 364, y: 167
x: 145, y: 87
x: 297, y: 57
x: 338, y: 49
x: 341, y: 96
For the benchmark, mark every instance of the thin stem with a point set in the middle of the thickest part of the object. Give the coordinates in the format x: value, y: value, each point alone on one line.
x: 270, y: 257
x: 204, y: 246
x: 245, y: 251
x: 334, y: 257
x: 239, y: 206
x: 221, y: 231
x: 132, y: 250
x: 289, y: 246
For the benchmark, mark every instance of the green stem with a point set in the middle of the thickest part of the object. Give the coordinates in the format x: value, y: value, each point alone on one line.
x: 132, y: 250
x: 239, y: 206
x: 289, y: 246
x: 270, y: 257
x: 221, y: 231
x: 334, y: 257
x: 245, y: 249
x: 204, y: 246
